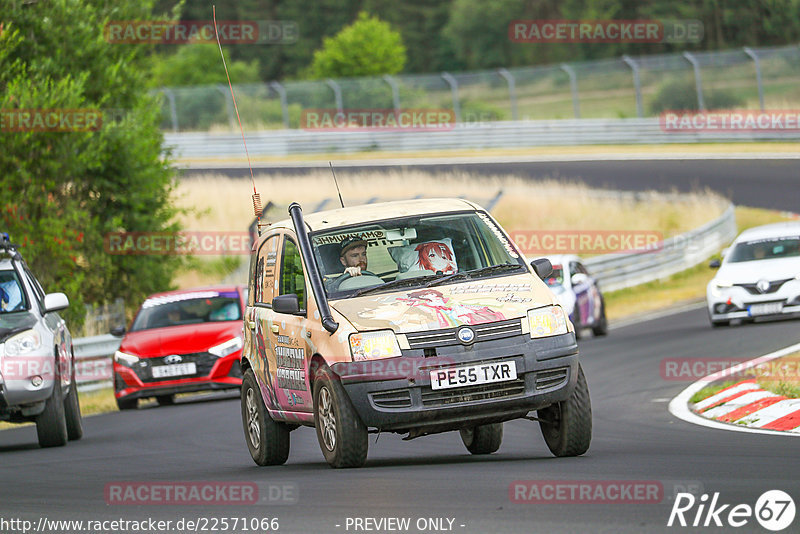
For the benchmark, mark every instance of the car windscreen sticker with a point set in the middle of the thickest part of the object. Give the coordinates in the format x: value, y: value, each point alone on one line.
x: 496, y: 231
x: 158, y: 301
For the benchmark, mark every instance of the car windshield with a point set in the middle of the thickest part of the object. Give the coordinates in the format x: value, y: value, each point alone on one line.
x: 765, y: 249
x: 188, y: 308
x: 413, y: 251
x: 12, y: 296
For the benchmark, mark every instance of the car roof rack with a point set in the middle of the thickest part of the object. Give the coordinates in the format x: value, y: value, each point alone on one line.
x: 8, y: 248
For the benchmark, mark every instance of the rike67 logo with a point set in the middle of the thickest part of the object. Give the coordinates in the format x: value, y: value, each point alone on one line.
x: 774, y: 510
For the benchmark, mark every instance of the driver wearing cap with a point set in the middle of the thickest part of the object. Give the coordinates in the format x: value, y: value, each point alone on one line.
x: 353, y: 255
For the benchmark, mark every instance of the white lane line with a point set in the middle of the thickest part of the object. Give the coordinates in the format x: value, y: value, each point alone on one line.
x: 713, y: 399
x: 769, y: 414
x: 739, y: 402
x: 679, y: 406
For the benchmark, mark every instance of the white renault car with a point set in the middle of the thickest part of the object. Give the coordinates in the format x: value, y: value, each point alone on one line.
x: 759, y: 276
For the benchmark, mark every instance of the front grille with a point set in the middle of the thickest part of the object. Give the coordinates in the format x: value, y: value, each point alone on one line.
x: 398, y: 398
x: 441, y: 397
x: 551, y: 378
x: 447, y: 336
x: 773, y: 287
x: 203, y: 361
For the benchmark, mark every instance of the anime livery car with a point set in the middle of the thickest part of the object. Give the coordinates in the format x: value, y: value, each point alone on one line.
x: 578, y: 293
x: 180, y: 342
x: 413, y: 317
x: 37, y: 363
x: 759, y: 276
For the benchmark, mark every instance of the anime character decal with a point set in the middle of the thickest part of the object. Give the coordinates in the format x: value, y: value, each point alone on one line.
x: 436, y: 256
x: 450, y: 314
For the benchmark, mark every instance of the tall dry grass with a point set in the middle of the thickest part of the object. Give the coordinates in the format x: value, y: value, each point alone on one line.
x: 220, y: 203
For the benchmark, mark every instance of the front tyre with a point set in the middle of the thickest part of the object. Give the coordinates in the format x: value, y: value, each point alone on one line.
x: 72, y: 411
x: 567, y: 425
x: 267, y: 440
x: 51, y: 424
x: 601, y: 328
x: 341, y: 434
x: 483, y: 439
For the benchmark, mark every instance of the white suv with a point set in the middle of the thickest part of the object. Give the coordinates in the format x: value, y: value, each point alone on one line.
x: 37, y: 365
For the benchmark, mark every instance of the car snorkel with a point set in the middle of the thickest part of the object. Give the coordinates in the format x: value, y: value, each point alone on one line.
x: 296, y: 213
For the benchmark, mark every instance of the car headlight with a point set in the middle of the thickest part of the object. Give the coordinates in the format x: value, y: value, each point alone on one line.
x: 23, y: 343
x: 374, y: 345
x: 723, y: 283
x: 128, y: 360
x: 797, y: 277
x: 547, y: 321
x: 228, y: 347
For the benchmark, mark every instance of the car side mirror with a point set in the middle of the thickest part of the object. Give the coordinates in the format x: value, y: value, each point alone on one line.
x: 542, y: 267
x: 715, y: 264
x: 55, y: 301
x: 117, y: 331
x: 578, y: 279
x: 286, y: 304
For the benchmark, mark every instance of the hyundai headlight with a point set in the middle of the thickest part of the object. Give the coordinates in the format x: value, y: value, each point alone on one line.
x: 228, y: 347
x: 23, y: 343
x: 128, y: 360
x: 547, y: 321
x: 374, y: 345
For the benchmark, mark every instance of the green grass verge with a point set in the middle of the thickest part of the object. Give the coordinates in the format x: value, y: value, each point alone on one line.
x: 708, y: 391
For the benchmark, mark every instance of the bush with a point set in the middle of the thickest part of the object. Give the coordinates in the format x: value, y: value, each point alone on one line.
x: 682, y: 95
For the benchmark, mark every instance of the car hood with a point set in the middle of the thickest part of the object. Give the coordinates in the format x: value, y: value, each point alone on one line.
x: 750, y: 272
x: 185, y: 339
x: 471, y: 302
x: 14, y: 323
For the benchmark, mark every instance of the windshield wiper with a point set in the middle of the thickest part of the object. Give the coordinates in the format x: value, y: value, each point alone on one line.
x: 476, y: 272
x: 393, y: 284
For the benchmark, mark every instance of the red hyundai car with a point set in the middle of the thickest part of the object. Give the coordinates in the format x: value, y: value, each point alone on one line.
x: 179, y: 342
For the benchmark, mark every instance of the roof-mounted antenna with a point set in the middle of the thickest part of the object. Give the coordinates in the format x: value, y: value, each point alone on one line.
x: 337, y: 184
x: 257, y: 208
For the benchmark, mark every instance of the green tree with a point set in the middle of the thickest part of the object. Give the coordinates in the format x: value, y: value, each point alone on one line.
x: 63, y: 192
x: 368, y: 47
x: 200, y: 64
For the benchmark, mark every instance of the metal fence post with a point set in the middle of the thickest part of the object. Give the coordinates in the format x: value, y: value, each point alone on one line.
x: 337, y: 93
x: 573, y: 82
x: 512, y: 91
x: 750, y: 52
x: 284, y: 102
x: 698, y: 82
x: 173, y: 110
x: 228, y: 104
x: 395, y: 91
x: 637, y: 84
x: 454, y: 90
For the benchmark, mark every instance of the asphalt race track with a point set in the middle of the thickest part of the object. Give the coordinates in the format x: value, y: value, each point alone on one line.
x: 635, y: 439
x: 773, y: 184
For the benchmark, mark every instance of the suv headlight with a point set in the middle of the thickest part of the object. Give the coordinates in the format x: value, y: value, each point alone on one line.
x: 23, y: 343
x: 374, y: 345
x: 228, y: 347
x: 547, y: 321
x: 128, y: 360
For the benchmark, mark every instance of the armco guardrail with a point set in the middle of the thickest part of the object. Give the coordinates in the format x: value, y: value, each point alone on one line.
x: 506, y: 134
x: 619, y: 271
x: 93, y: 360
